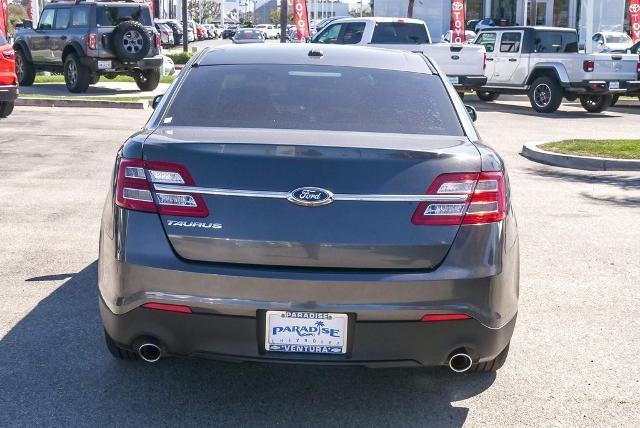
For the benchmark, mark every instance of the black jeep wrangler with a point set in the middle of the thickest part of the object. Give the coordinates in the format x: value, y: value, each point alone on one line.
x: 88, y: 39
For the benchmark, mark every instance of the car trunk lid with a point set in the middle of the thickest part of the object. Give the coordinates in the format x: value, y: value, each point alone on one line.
x: 246, y: 175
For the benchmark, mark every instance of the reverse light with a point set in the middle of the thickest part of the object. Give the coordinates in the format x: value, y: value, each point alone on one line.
x: 444, y: 317
x: 92, y: 41
x: 588, y: 65
x: 134, y: 189
x: 167, y: 307
x: 486, y: 200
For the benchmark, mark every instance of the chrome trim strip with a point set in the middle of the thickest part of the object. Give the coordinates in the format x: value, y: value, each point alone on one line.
x: 285, y: 195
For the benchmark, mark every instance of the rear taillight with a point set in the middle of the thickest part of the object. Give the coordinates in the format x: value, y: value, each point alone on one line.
x: 485, y: 203
x: 588, y: 65
x: 92, y: 41
x: 134, y: 189
x: 157, y: 39
x: 484, y: 67
x: 168, y: 307
x: 9, y: 54
x: 444, y: 317
x: 638, y: 68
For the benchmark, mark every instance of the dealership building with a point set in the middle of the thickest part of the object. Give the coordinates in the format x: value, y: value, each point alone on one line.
x: 609, y: 15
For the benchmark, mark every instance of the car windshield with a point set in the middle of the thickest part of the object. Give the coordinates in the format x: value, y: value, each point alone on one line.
x: 111, y: 16
x: 248, y: 35
x: 314, y: 98
x: 618, y: 38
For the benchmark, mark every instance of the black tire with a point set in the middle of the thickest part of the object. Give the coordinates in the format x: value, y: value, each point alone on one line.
x: 545, y: 95
x: 117, y: 352
x: 148, y: 80
x: 487, y: 95
x: 6, y: 107
x: 25, y: 70
x: 130, y: 41
x: 76, y: 76
x: 596, y: 103
x: 614, y: 100
x: 94, y: 79
x: 493, y: 365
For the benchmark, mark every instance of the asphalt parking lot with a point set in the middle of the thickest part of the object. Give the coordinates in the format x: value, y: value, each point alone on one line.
x: 573, y: 355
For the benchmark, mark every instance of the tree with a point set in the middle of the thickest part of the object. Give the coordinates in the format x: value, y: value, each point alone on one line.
x: 274, y: 16
x: 210, y: 10
x: 410, y: 9
x: 17, y: 13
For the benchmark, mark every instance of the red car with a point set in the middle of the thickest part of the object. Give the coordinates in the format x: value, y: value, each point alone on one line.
x: 201, y: 32
x: 8, y: 79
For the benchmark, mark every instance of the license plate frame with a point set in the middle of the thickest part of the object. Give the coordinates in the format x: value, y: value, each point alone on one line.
x: 614, y: 85
x: 333, y: 339
x: 105, y: 65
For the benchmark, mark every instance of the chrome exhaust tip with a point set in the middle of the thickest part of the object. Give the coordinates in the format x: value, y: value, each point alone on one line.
x: 149, y: 352
x: 460, y: 363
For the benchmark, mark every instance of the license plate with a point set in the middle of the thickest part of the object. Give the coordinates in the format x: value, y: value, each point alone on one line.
x: 102, y: 65
x: 306, y: 332
x: 454, y: 80
x: 614, y: 85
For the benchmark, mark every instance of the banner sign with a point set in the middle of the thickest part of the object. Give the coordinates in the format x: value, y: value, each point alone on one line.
x: 634, y: 19
x: 150, y: 4
x: 458, y: 21
x: 301, y: 18
x: 4, y: 17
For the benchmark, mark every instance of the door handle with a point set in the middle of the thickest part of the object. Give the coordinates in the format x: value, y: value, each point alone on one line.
x: 63, y: 38
x: 489, y: 59
x: 513, y: 59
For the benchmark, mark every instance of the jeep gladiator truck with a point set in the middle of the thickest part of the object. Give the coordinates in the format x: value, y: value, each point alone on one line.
x: 544, y: 63
x: 86, y: 40
x: 462, y: 63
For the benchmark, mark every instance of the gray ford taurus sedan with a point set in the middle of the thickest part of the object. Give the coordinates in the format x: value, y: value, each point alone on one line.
x: 304, y: 205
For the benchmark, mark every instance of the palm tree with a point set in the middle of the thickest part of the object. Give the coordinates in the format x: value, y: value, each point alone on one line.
x: 319, y: 324
x: 410, y: 9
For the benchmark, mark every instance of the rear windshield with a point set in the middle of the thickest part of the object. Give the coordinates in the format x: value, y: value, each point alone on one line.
x: 620, y: 38
x: 315, y: 98
x: 400, y: 33
x: 111, y: 16
x: 555, y: 42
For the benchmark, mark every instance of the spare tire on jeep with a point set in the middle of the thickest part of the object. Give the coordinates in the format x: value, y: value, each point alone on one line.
x: 130, y: 41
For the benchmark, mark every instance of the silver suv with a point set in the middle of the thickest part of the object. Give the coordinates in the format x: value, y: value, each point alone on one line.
x: 86, y: 40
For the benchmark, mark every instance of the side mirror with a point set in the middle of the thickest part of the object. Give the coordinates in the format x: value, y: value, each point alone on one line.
x: 156, y: 101
x: 471, y: 111
x: 27, y: 24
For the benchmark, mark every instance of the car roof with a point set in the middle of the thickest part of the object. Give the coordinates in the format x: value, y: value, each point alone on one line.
x: 529, y: 27
x: 330, y: 55
x: 376, y: 19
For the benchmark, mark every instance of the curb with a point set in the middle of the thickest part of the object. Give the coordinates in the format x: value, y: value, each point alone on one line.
x: 56, y: 102
x: 532, y: 152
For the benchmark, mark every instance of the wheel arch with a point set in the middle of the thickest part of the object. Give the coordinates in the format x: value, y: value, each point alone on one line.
x: 554, y: 71
x: 22, y: 46
x: 73, y: 47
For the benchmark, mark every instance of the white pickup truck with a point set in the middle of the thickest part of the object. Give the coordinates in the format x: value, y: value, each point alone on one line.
x: 544, y: 63
x: 462, y: 63
x: 269, y: 31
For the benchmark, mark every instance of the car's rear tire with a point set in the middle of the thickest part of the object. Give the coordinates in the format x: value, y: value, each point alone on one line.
x: 25, y: 70
x: 487, y: 95
x: 493, y: 365
x: 596, y: 103
x: 6, y: 107
x: 77, y: 77
x: 545, y: 95
x: 148, y: 80
x: 614, y: 100
x: 117, y: 352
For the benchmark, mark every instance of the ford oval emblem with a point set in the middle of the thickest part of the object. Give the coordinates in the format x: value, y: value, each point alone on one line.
x: 310, y: 196
x: 455, y: 57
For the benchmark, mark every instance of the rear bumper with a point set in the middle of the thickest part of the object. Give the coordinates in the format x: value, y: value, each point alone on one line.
x: 8, y: 93
x: 371, y: 344
x: 603, y: 87
x: 468, y: 82
x: 122, y: 67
